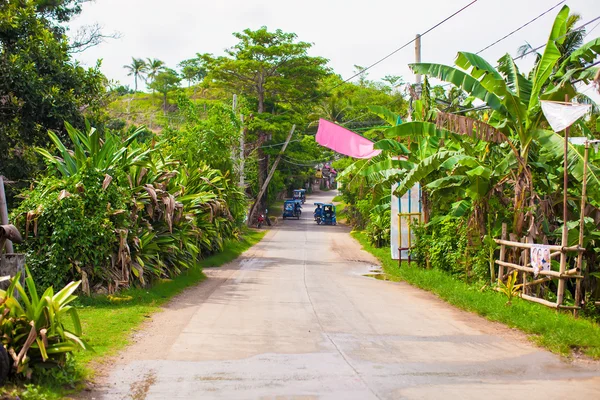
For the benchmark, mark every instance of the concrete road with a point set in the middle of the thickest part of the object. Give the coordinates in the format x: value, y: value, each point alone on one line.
x: 294, y: 318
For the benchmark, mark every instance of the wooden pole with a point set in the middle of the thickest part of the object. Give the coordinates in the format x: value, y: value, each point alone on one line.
x: 4, y: 215
x: 263, y: 189
x: 582, y: 222
x: 242, y: 155
x: 502, y: 253
x: 565, y: 233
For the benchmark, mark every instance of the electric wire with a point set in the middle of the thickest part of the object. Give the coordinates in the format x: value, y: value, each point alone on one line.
x: 362, y: 71
x: 560, y: 37
x: 521, y: 27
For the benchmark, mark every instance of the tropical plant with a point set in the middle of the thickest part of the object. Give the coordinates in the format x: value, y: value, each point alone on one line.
x: 516, y: 113
x: 138, y: 68
x: 153, y: 67
x: 34, y: 328
x: 165, y: 82
x: 510, y: 289
x: 122, y: 213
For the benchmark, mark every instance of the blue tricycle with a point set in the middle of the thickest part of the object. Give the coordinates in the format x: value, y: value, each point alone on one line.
x: 292, y: 209
x: 300, y: 194
x: 325, y: 214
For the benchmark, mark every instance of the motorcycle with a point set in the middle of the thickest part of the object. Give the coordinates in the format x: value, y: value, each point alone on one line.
x: 262, y: 218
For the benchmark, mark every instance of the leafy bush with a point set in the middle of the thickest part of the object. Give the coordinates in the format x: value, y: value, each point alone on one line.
x: 445, y: 243
x: 378, y: 228
x: 33, y: 327
x: 122, y: 213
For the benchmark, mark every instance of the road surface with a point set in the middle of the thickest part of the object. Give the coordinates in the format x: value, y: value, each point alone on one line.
x: 294, y: 318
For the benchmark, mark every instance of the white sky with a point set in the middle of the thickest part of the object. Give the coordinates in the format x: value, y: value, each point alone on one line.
x: 347, y: 32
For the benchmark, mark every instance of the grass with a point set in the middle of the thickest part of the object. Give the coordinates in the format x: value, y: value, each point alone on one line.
x: 108, y: 325
x: 340, y: 208
x: 559, y: 332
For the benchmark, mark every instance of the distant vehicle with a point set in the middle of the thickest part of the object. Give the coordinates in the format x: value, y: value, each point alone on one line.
x: 292, y: 209
x: 328, y: 215
x: 318, y: 214
x: 300, y: 194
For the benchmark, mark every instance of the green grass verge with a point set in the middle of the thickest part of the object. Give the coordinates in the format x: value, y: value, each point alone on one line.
x: 108, y: 325
x: 559, y: 332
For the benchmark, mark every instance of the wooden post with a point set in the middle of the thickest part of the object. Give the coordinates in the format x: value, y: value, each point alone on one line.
x: 502, y: 253
x: 582, y: 223
x: 4, y: 215
x: 565, y: 233
x: 263, y: 189
x: 525, y: 262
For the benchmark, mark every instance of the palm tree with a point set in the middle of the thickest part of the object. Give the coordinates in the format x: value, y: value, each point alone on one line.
x: 137, y: 68
x: 154, y: 67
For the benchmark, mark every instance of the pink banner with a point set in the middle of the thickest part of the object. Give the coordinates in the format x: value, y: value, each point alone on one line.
x: 343, y: 141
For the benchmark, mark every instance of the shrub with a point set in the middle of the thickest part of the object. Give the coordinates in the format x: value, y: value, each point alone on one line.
x: 33, y: 326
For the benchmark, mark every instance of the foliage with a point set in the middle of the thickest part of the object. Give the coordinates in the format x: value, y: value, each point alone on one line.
x: 33, y: 326
x: 122, y: 213
x: 499, y: 164
x: 42, y: 86
x: 510, y: 289
x: 138, y: 68
x: 557, y: 331
x: 165, y: 81
x: 211, y: 135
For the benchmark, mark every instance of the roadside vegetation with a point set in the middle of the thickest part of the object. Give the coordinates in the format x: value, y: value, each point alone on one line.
x: 560, y: 333
x: 123, y: 195
x: 480, y: 167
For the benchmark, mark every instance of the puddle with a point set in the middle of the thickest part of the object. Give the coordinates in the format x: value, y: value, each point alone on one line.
x: 382, y: 277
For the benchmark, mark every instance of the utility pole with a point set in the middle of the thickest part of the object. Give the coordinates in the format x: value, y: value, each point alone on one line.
x: 242, y: 159
x: 241, y: 154
x: 263, y: 189
x: 418, y: 60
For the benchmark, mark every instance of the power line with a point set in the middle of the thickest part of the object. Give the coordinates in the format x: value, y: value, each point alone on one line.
x: 404, y: 45
x: 521, y: 27
x: 560, y: 37
x: 590, y: 31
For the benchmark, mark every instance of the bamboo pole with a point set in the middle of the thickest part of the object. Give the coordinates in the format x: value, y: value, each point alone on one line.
x: 538, y: 281
x: 582, y: 221
x: 555, y: 274
x: 565, y: 233
x: 538, y: 300
x: 525, y: 253
x: 502, y: 253
x: 530, y: 245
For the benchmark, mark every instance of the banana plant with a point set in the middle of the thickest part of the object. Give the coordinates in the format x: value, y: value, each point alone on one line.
x: 515, y: 103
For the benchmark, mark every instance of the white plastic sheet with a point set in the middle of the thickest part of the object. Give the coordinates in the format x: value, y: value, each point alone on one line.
x: 562, y: 115
x: 399, y: 234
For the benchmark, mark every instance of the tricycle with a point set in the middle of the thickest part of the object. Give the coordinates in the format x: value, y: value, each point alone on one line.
x: 326, y: 215
x: 300, y: 194
x: 292, y: 209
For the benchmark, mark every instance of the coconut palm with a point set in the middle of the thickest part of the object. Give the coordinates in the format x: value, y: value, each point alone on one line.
x: 154, y: 67
x: 137, y: 68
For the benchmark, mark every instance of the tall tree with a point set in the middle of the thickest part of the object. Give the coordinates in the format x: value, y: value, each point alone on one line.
x: 270, y: 69
x: 137, y: 68
x: 41, y: 86
x: 165, y: 82
x: 153, y: 67
x: 192, y: 70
